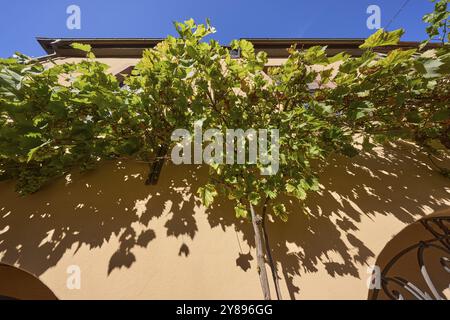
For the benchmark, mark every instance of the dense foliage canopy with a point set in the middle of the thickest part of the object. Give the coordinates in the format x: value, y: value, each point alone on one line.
x: 56, y: 118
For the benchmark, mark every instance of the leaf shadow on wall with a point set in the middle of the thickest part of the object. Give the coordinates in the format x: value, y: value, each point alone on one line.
x: 91, y: 209
x: 113, y: 203
x: 324, y: 227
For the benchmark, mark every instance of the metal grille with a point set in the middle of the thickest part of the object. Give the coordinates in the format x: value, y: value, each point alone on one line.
x: 398, y: 287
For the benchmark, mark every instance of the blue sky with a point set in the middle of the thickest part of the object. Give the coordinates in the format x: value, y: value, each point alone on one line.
x: 22, y: 21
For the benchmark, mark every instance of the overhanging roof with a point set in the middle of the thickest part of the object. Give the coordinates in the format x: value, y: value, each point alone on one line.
x: 102, y: 47
x: 275, y: 47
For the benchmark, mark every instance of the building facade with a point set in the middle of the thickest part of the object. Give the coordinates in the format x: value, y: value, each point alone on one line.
x: 106, y: 235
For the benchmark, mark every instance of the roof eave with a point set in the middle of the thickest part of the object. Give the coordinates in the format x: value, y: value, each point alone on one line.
x: 275, y: 47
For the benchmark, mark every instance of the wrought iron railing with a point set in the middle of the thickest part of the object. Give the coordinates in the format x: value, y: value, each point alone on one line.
x: 398, y: 287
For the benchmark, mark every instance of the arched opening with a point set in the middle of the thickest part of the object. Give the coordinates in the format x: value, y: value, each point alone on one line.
x: 16, y: 284
x: 415, y: 264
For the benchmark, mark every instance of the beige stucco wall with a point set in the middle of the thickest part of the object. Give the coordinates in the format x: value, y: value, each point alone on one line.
x: 117, y: 65
x: 133, y: 241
